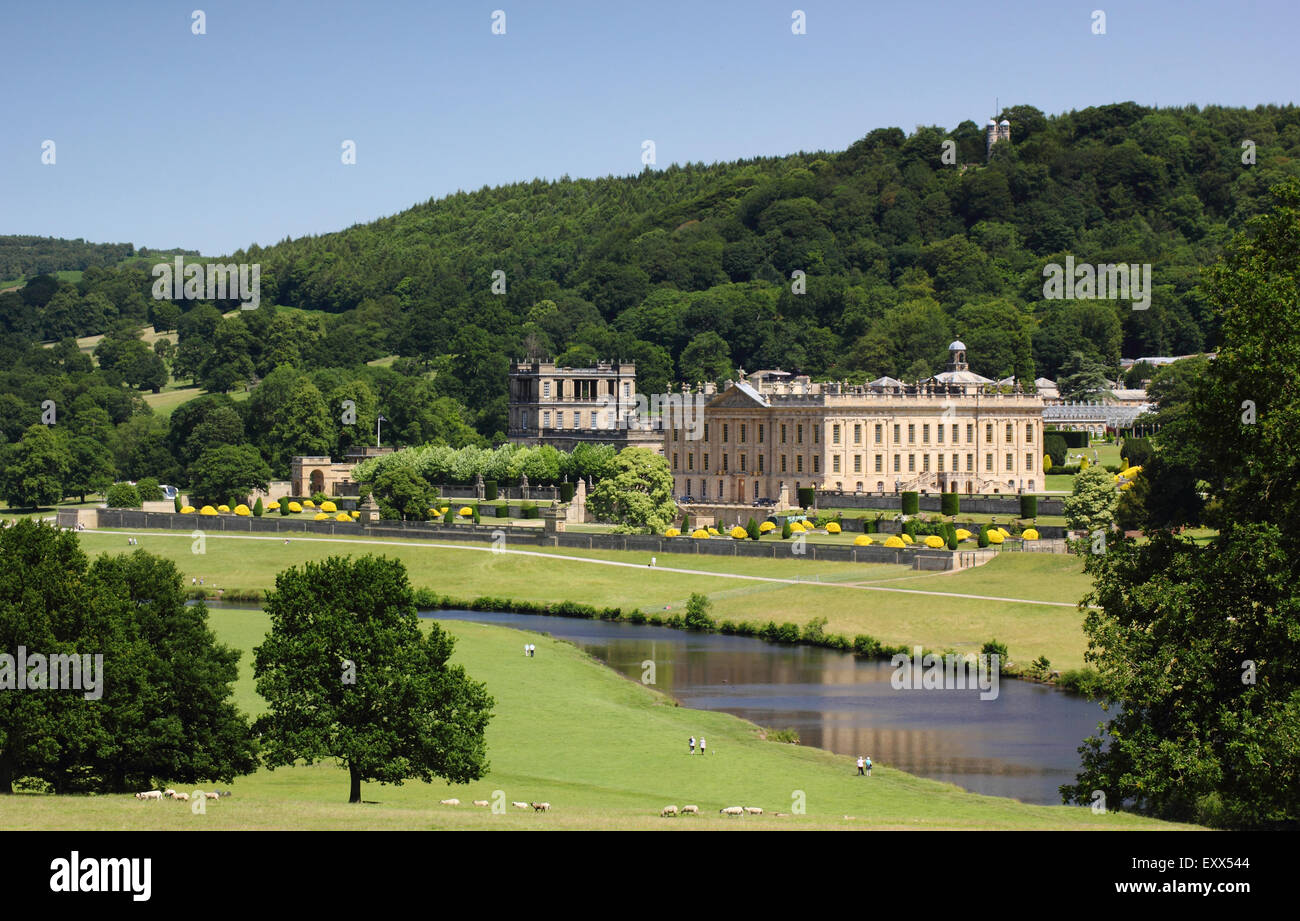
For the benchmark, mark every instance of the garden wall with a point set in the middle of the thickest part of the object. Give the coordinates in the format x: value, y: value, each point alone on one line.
x: 981, y: 505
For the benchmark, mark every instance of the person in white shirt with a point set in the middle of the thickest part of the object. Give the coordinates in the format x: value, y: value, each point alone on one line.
x: 692, y: 745
x: 701, y: 745
x: 861, y: 766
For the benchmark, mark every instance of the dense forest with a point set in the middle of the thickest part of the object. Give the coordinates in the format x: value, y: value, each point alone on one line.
x: 22, y: 256
x: 844, y: 265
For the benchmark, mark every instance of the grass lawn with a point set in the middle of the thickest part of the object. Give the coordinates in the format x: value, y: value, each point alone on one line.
x: 605, y: 752
x: 893, y: 603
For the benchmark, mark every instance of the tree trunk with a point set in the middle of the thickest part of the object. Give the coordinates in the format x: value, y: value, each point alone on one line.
x: 355, y: 795
x: 6, y: 775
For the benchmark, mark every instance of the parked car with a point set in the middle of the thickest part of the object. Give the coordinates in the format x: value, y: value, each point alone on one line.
x: 169, y: 492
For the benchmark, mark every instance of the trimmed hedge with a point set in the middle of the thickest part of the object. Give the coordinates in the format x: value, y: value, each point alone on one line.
x: 807, y: 496
x: 949, y: 503
x: 490, y: 490
x: 1028, y: 506
x: 566, y: 492
x: 911, y: 503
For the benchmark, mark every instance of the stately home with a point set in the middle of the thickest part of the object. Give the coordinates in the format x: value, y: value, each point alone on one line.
x: 957, y: 431
x: 565, y: 407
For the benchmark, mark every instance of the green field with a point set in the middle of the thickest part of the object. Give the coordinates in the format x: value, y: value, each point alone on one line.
x: 605, y: 752
x: 895, y: 604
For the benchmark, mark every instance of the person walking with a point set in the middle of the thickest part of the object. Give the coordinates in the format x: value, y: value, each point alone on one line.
x: 861, y: 766
x: 868, y: 765
x: 701, y: 745
x: 692, y: 745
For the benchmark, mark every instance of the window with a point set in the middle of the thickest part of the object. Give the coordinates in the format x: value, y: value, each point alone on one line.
x: 726, y: 431
x: 1011, y: 431
x: 970, y: 433
x: 817, y: 464
x: 988, y: 463
x: 911, y: 463
x: 857, y: 463
x: 970, y: 463
x: 627, y: 390
x: 954, y: 433
x: 897, y: 437
x: 911, y: 434
x: 955, y: 463
x: 798, y: 434
x: 706, y: 431
x: 798, y: 463
x: 938, y: 430
x: 760, y: 463
x: 1029, y: 462
x: 546, y: 389
x: 1029, y: 432
x: 743, y: 458
x: 525, y: 420
x: 546, y: 420
x: 725, y: 465
x: 704, y: 489
x: 690, y: 463
x: 857, y: 434
x: 1011, y: 463
x: 782, y: 433
x: 835, y: 434
x: 835, y: 464
x: 925, y: 463
x: 817, y: 434
x: 925, y: 434
x: 577, y: 420
x: 879, y: 462
x: 783, y: 463
x: 706, y: 462
x: 940, y: 463
x: 742, y: 433
x: 760, y: 433
x: 674, y: 461
x: 988, y: 432
x: 897, y: 461
x: 559, y: 419
x: 879, y: 432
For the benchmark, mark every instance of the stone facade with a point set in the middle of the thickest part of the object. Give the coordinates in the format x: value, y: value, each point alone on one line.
x: 955, y: 432
x: 565, y: 407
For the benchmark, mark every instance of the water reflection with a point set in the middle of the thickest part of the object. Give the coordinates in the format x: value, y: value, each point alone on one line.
x: 1022, y: 745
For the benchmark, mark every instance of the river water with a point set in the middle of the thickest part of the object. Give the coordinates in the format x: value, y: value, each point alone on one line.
x: 1023, y: 744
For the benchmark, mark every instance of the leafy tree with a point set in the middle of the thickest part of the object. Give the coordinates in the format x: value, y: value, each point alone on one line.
x: 349, y: 672
x: 36, y: 469
x: 403, y: 493
x: 149, y: 490
x: 697, y: 613
x: 706, y: 358
x: 1091, y: 503
x: 226, y: 471
x: 1081, y: 377
x: 638, y: 493
x: 90, y: 468
x: 122, y: 495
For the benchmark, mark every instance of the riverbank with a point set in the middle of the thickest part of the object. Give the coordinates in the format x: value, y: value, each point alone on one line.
x: 605, y: 752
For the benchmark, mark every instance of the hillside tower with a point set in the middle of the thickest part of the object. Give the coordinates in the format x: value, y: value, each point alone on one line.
x: 995, y: 131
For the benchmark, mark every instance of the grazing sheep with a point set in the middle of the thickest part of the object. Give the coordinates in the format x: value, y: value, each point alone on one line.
x: 669, y: 810
x: 754, y: 810
x: 690, y: 810
x: 212, y: 795
x: 183, y: 797
x: 481, y: 802
x: 519, y: 805
x: 168, y: 792
x: 541, y: 807
x: 150, y: 794
x: 732, y: 810
x: 449, y: 802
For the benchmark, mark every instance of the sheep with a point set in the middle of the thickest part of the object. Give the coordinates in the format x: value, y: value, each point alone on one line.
x: 481, y: 802
x: 169, y: 792
x: 541, y: 807
x: 519, y: 805
x: 211, y: 795
x: 449, y: 802
x: 732, y: 810
x: 668, y: 810
x: 150, y: 794
x: 183, y: 797
x: 690, y: 810
x: 754, y: 810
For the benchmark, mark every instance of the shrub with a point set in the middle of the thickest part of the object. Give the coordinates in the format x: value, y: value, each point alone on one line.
x: 672, y: 532
x: 257, y: 508
x: 935, y: 542
x: 1054, y: 446
x: 952, y: 538
x: 984, y: 535
x: 566, y: 492
x: 207, y: 510
x: 528, y: 510
x: 242, y: 510
x: 284, y: 507
x: 911, y: 503
x: 751, y: 529
x: 766, y: 527
x: 738, y: 533
x: 320, y: 516
x: 1136, y: 451
x: 1041, y: 667
x: 187, y: 510
x: 894, y: 541
x: 815, y: 631
x: 448, y: 516
x: 503, y: 509
x: 994, y: 648
x: 490, y: 490
x: 476, y: 518
x: 1030, y: 534
x: 788, y: 736
x: 342, y: 516
x: 177, y: 502
x: 833, y: 527
x: 862, y: 541
x: 318, y: 497
x: 149, y: 490
x: 995, y: 536
x: 697, y: 613
x: 1083, y: 681
x: 786, y: 530
x: 950, y: 504
x: 1028, y: 506
x: 328, y: 506
x: 295, y: 507
x: 122, y: 495
x: 807, y: 496
x: 700, y: 534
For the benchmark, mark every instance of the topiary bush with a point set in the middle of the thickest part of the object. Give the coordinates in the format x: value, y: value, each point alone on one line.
x: 751, y: 529
x: 786, y: 530
x: 257, y: 508
x: 122, y: 495
x: 490, y: 490
x: 911, y: 503
x: 807, y: 496
x: 566, y: 492
x: 984, y: 535
x: 177, y: 503
x: 949, y: 504
x: 1028, y: 506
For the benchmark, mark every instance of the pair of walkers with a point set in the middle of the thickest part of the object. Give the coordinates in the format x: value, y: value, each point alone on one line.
x: 864, y: 765
x: 693, y: 745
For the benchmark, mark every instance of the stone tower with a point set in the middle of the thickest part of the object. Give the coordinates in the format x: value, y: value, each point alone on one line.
x: 995, y: 131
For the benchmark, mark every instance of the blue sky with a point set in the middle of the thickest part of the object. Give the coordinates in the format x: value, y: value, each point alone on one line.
x: 211, y: 142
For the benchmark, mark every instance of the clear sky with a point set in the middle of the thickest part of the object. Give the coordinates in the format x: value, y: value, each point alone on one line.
x: 211, y: 142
